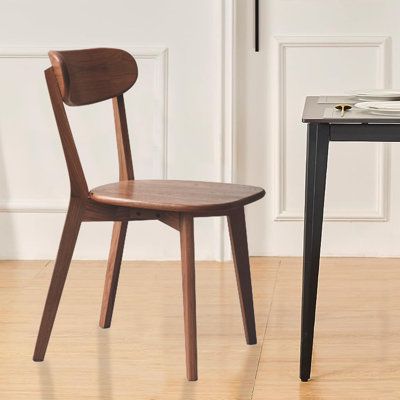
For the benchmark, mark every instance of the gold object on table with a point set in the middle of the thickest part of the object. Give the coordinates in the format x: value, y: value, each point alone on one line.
x: 343, y: 108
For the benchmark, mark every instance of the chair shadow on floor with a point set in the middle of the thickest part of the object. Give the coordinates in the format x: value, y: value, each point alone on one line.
x: 46, y: 382
x: 248, y: 364
x: 104, y: 371
x: 190, y: 390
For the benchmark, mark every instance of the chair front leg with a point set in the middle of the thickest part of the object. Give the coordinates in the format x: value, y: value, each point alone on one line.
x: 63, y: 260
x: 238, y: 235
x: 189, y: 294
x: 112, y: 275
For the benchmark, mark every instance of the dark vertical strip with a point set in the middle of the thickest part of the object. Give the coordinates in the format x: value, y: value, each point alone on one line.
x: 317, y: 160
x: 257, y: 25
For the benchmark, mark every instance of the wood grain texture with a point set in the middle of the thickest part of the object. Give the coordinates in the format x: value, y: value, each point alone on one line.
x: 63, y: 260
x: 88, y: 76
x: 122, y: 135
x: 238, y: 235
x: 120, y: 228
x: 102, y: 212
x: 112, y: 275
x: 142, y: 356
x: 92, y: 75
x: 357, y: 348
x: 77, y: 179
x: 171, y: 219
x: 189, y: 294
x: 183, y: 196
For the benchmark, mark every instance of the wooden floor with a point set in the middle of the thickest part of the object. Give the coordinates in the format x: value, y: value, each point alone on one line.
x: 357, y: 345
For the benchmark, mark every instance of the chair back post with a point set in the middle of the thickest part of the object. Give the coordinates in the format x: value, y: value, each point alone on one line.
x: 77, y: 179
x: 81, y: 77
x: 124, y: 149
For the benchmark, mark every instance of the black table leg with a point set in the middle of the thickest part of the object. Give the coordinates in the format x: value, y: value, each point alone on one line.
x: 317, y: 158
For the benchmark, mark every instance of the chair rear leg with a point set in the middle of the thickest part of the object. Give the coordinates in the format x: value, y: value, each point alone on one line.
x: 238, y: 235
x: 189, y: 294
x: 112, y: 275
x: 63, y: 260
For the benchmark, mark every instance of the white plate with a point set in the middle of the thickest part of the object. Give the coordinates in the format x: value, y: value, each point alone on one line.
x: 376, y: 94
x: 361, y: 98
x: 380, y: 107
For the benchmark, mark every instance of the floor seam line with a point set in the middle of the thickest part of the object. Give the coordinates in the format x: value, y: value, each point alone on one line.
x: 265, y: 330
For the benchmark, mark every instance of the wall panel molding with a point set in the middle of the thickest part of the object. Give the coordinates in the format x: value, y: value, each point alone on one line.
x: 382, y: 45
x: 158, y: 54
x: 228, y: 140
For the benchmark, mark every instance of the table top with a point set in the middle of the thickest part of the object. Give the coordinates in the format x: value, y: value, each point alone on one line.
x: 321, y: 109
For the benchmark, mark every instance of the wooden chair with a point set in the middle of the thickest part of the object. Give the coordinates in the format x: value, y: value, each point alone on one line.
x: 81, y: 77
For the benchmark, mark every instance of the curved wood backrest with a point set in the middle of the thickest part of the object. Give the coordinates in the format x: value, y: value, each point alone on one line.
x: 92, y: 75
x: 79, y: 77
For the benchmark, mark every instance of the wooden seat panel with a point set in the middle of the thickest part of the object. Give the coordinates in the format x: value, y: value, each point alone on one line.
x: 182, y: 196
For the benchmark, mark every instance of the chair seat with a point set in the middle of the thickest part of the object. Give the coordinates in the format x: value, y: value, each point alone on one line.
x: 182, y: 196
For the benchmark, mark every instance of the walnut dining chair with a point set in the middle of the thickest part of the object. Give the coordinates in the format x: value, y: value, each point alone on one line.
x: 82, y: 77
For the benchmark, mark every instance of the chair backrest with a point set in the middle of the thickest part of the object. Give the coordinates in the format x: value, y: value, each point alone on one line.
x: 80, y: 77
x: 93, y: 75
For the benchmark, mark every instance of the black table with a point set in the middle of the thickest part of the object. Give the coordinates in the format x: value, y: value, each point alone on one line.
x: 325, y: 124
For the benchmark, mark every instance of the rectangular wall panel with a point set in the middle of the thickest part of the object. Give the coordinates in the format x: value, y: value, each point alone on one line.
x: 28, y: 131
x: 357, y: 172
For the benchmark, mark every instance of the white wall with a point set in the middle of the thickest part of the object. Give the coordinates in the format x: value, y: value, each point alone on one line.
x: 311, y: 47
x: 184, y: 125
x: 179, y: 115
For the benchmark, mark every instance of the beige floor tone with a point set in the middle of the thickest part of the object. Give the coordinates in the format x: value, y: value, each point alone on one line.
x: 357, y: 346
